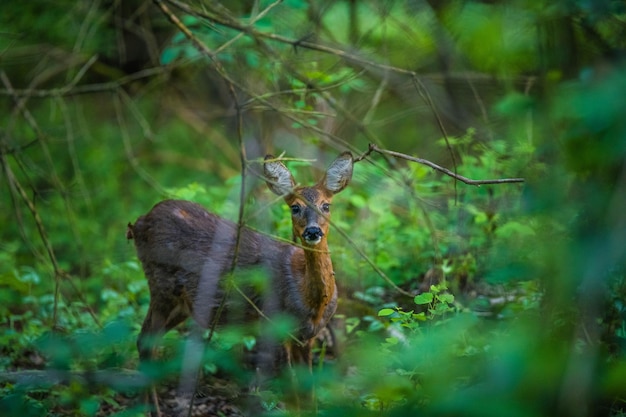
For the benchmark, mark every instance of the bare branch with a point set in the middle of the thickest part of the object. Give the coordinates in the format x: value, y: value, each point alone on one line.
x: 302, y: 43
x: 129, y: 379
x: 374, y: 148
x: 71, y: 89
x: 18, y: 190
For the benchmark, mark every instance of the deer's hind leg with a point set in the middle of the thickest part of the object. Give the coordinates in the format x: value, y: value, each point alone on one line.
x: 168, y: 307
x: 161, y: 318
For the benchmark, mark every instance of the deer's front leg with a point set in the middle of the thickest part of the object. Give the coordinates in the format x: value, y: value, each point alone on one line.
x: 300, y: 354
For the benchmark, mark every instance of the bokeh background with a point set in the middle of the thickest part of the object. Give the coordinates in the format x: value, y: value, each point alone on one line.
x: 516, y: 291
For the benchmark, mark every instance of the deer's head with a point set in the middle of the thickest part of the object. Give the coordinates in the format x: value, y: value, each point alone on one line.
x: 310, y: 206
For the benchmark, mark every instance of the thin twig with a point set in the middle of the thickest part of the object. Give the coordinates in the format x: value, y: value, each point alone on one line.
x: 421, y: 89
x: 233, y: 24
x: 203, y: 49
x: 367, y: 259
x: 16, y: 188
x: 71, y: 89
x: 256, y: 18
x: 295, y: 91
x: 128, y: 149
x: 369, y: 114
x: 374, y: 148
x: 222, y: 20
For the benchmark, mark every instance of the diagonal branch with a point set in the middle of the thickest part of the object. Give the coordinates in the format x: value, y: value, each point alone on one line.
x: 478, y: 183
x: 221, y: 19
x: 72, y: 89
x: 17, y: 189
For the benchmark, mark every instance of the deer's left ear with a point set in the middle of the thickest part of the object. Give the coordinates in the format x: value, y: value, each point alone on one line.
x: 338, y: 174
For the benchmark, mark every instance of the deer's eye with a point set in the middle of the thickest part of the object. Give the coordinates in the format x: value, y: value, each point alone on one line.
x: 295, y: 209
x: 326, y: 208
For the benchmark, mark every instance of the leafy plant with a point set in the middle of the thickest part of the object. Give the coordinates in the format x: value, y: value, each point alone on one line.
x: 438, y: 303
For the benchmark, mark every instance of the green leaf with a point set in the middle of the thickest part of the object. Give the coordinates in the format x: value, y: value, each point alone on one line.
x: 249, y: 342
x: 89, y: 406
x: 424, y: 298
x: 446, y: 298
x: 386, y: 312
x: 420, y: 316
x: 352, y: 323
x: 392, y: 340
x: 170, y: 54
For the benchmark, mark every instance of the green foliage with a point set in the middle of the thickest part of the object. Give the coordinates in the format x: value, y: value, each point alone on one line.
x: 502, y: 40
x: 518, y: 291
x: 437, y: 303
x: 45, y: 26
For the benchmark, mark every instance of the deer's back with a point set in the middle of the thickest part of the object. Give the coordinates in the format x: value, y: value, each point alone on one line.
x: 183, y: 234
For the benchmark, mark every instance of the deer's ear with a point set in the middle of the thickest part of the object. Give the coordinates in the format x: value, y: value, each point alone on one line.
x: 278, y: 177
x: 339, y: 173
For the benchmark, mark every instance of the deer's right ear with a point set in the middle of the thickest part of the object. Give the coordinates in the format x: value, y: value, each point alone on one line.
x: 278, y: 177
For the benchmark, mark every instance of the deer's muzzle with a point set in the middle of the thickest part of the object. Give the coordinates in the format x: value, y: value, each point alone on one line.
x: 312, y: 235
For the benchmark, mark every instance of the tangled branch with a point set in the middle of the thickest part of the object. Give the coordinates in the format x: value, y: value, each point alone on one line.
x: 478, y: 183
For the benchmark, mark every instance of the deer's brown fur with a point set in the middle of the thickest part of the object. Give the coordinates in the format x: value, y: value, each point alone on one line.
x: 185, y: 252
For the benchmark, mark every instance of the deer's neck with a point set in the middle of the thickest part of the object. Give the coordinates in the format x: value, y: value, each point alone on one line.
x: 318, y: 285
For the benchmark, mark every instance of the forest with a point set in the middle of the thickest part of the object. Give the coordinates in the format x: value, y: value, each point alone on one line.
x: 479, y: 248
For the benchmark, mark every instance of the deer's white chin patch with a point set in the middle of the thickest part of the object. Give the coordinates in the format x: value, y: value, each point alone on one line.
x: 313, y: 242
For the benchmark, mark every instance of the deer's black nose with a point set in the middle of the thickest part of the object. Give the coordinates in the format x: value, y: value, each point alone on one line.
x: 312, y: 235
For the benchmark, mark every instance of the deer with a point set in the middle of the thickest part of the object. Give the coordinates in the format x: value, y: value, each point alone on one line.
x: 186, y: 252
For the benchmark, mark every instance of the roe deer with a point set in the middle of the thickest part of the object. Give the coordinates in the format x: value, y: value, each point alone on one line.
x: 186, y: 251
